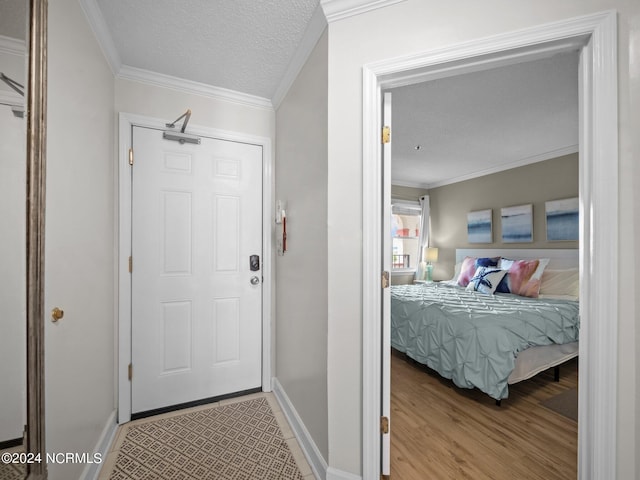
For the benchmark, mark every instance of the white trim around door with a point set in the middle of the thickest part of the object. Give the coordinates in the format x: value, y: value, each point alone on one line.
x: 123, y: 224
x: 595, y: 37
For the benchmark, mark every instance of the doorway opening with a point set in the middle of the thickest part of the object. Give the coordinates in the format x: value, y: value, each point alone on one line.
x: 469, y: 128
x: 595, y: 38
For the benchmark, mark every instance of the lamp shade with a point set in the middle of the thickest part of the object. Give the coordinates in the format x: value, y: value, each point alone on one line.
x: 431, y: 254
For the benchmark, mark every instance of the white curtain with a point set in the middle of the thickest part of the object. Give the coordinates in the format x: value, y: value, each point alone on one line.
x: 423, y: 241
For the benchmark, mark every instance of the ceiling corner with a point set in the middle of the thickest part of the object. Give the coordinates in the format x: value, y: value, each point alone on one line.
x: 312, y: 34
x: 339, y: 9
x: 540, y: 157
x: 99, y: 27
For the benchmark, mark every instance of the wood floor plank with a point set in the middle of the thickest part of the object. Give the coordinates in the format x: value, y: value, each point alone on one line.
x: 439, y: 431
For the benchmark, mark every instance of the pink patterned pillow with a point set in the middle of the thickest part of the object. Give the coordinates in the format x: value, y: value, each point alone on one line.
x: 520, y: 279
x: 467, y: 270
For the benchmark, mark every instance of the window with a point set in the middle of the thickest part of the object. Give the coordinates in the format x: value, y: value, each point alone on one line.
x: 405, y: 234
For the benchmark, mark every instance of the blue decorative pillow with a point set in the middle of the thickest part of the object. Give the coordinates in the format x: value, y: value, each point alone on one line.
x: 487, y: 261
x: 486, y: 280
x: 471, y: 264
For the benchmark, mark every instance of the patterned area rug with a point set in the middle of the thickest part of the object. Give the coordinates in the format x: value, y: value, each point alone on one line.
x: 229, y: 442
x: 12, y: 471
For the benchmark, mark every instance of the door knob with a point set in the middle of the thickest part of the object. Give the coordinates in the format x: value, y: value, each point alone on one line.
x: 255, y: 280
x: 56, y: 314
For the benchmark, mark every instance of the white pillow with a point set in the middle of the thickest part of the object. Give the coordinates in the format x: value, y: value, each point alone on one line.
x: 456, y: 271
x: 486, y: 280
x: 561, y: 282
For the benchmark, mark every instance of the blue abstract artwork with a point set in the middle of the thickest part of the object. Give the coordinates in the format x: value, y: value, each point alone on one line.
x: 517, y: 224
x: 479, y: 227
x: 563, y: 220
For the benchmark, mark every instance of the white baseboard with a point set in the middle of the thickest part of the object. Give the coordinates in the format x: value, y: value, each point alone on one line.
x: 316, y: 461
x: 92, y: 470
x: 335, y: 474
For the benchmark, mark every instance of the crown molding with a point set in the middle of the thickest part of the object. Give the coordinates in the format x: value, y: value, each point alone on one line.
x: 188, y: 86
x: 12, y: 46
x: 99, y: 27
x: 328, y: 11
x: 316, y: 27
x: 560, y: 152
x: 335, y: 10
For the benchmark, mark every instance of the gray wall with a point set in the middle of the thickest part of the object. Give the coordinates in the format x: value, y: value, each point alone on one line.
x: 532, y: 184
x: 301, y: 273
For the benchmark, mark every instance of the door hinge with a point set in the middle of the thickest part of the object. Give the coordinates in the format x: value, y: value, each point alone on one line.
x: 130, y: 264
x: 130, y: 372
x: 385, y: 279
x: 384, y: 425
x: 131, y: 156
x: 386, y: 134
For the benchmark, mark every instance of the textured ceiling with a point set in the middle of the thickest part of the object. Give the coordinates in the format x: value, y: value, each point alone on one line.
x: 484, y: 121
x: 241, y: 45
x: 464, y: 126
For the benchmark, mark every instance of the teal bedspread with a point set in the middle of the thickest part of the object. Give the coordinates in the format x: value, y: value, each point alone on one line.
x: 473, y: 338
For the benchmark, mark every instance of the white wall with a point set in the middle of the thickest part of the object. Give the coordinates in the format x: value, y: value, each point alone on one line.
x: 12, y: 253
x: 301, y: 278
x: 79, y: 350
x: 418, y: 26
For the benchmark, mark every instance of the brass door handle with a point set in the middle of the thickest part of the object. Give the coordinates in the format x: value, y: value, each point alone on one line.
x: 56, y: 314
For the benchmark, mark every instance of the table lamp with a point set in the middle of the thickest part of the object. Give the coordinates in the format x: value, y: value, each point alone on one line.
x: 430, y: 256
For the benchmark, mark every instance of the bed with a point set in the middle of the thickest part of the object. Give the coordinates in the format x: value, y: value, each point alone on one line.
x: 491, y: 339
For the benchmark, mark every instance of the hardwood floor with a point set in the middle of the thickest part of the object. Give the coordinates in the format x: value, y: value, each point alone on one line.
x: 439, y: 431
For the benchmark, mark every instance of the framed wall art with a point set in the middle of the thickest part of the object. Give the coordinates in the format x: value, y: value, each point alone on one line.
x: 479, y: 226
x: 517, y: 224
x: 563, y: 220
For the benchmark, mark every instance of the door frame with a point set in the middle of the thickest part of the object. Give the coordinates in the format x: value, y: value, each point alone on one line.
x: 595, y: 36
x: 123, y: 303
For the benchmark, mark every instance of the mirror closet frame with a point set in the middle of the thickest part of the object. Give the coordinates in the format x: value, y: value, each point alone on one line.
x: 35, y: 225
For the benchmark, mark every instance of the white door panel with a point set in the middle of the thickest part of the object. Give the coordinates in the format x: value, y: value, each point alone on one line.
x: 385, y: 466
x: 196, y: 318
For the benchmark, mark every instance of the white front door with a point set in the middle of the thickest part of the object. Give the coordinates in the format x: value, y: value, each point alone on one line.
x: 196, y: 328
